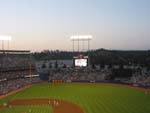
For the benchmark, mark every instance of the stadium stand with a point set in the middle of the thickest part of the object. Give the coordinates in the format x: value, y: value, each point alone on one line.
x: 16, y: 70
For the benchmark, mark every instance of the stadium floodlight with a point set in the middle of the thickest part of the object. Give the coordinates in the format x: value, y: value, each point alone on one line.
x: 7, y: 38
x: 81, y: 37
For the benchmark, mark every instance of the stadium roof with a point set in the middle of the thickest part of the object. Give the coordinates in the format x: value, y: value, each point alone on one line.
x: 15, y: 51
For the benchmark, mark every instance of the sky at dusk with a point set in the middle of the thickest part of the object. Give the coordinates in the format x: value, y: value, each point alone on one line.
x: 47, y: 24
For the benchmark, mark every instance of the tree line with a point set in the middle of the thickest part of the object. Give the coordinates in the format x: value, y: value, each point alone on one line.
x: 100, y: 56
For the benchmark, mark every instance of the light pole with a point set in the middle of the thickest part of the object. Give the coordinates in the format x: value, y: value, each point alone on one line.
x: 82, y: 39
x: 5, y: 38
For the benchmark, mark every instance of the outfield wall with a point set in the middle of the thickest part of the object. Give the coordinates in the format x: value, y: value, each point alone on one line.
x: 114, y: 82
x: 106, y: 81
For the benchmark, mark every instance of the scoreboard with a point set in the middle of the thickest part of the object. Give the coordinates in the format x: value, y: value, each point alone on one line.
x: 80, y: 61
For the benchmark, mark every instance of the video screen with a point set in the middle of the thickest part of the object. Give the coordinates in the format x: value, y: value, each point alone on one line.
x: 81, y: 62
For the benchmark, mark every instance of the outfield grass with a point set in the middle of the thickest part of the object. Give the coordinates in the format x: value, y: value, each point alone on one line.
x: 93, y: 98
x: 27, y: 109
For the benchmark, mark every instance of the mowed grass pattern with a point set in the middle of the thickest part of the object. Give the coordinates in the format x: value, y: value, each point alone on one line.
x: 93, y: 98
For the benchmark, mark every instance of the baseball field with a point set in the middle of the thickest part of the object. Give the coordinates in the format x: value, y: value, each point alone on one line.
x: 77, y: 98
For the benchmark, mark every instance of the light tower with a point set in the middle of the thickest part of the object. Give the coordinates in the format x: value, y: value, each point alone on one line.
x: 83, y: 39
x: 80, y: 41
x: 4, y: 38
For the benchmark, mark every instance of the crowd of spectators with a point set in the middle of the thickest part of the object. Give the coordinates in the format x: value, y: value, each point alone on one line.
x: 16, y: 71
x: 8, y: 86
x: 16, y: 61
x: 16, y: 78
x: 141, y: 77
x: 66, y: 74
x: 12, y: 80
x: 16, y: 74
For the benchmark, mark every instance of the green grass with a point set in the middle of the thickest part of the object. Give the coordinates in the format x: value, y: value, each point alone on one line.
x: 27, y: 109
x: 93, y: 98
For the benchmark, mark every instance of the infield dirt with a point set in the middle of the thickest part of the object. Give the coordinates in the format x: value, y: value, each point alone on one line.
x: 59, y: 106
